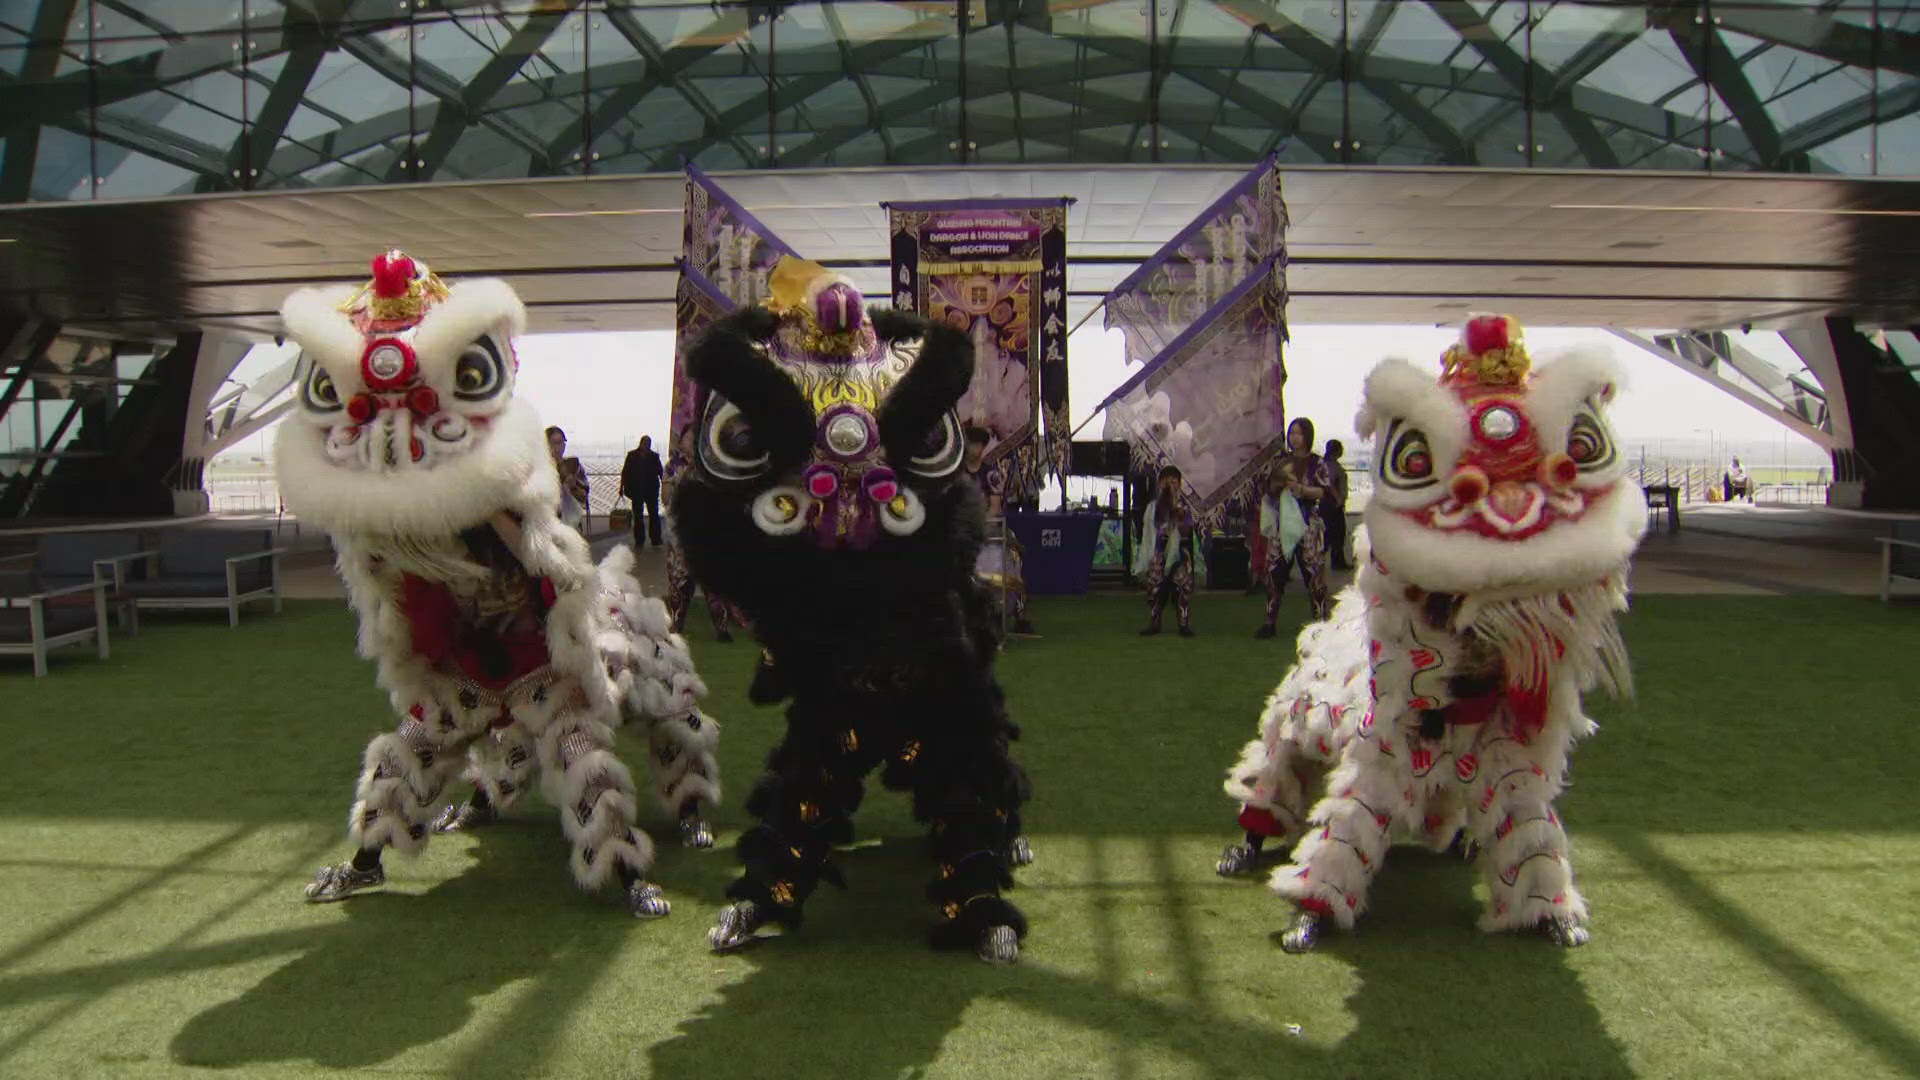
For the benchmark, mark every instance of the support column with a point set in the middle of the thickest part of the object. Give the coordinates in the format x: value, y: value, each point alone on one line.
x: 1875, y: 401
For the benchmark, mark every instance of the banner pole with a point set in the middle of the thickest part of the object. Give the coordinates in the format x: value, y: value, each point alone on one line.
x: 1088, y: 315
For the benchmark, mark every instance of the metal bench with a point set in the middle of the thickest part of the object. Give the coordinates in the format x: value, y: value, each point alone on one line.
x: 1664, y: 496
x: 36, y: 622
x: 211, y: 568
x: 1899, y: 556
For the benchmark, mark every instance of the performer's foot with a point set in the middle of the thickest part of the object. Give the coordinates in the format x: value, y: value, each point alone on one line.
x: 999, y: 945
x: 725, y: 638
x: 1266, y: 631
x: 1303, y: 933
x: 1150, y: 631
x: 1020, y: 852
x: 341, y: 880
x: 464, y: 817
x: 1565, y: 931
x: 1023, y: 626
x: 735, y: 927
x: 1237, y: 859
x: 695, y: 833
x: 1186, y: 631
x: 646, y: 901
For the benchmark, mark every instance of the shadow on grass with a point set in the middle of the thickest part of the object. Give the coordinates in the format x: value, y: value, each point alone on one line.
x: 403, y: 971
x: 1797, y: 967
x: 851, y: 996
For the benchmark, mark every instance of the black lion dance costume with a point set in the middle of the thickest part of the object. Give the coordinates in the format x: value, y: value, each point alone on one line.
x: 500, y: 644
x: 826, y: 499
x: 1444, y: 692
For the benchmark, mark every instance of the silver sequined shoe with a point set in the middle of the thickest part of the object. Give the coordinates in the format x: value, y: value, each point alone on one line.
x: 647, y: 901
x: 464, y: 817
x: 1237, y: 859
x: 1565, y: 932
x: 340, y: 881
x: 999, y: 945
x: 735, y: 927
x: 695, y: 833
x: 1303, y: 933
x: 1020, y: 852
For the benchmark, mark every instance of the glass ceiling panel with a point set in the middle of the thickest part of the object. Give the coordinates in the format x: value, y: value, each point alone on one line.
x: 1240, y: 76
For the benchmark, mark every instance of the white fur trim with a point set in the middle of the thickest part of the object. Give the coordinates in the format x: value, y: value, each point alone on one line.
x: 1564, y: 556
x: 1396, y: 390
x: 472, y: 308
x: 508, y: 468
x: 313, y: 319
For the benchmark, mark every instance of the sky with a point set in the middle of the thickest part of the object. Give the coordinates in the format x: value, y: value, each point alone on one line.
x: 608, y: 389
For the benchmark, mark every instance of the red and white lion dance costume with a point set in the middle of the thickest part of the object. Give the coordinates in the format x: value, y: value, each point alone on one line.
x: 1444, y: 692
x: 500, y: 644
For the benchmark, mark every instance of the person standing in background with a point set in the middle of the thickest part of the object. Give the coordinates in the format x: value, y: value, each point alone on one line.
x: 1164, y: 560
x: 1302, y: 474
x: 640, y: 481
x: 1333, y: 508
x: 573, y: 481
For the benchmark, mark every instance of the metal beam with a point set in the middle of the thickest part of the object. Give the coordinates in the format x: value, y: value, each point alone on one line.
x: 1522, y: 74
x: 859, y: 75
x: 36, y: 70
x: 154, y: 142
x: 1327, y: 57
x: 1821, y: 35
x: 307, y: 45
x: 19, y: 493
x: 638, y: 78
x: 1824, y: 439
x: 1707, y: 54
x: 1838, y: 122
x: 648, y: 47
x: 452, y: 122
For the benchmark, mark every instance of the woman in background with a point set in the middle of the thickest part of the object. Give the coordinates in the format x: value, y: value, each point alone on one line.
x: 1303, y: 475
x: 573, y: 481
x: 1165, y: 558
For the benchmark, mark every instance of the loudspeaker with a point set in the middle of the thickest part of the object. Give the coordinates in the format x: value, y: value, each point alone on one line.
x: 1098, y: 458
x: 1227, y: 563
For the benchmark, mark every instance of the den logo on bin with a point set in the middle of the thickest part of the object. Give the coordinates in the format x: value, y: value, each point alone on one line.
x: 1050, y: 538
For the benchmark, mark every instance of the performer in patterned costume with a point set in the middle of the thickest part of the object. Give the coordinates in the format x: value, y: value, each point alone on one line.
x: 499, y: 643
x: 1303, y: 475
x: 1444, y: 693
x: 1164, y: 561
x: 827, y: 501
x: 1001, y: 564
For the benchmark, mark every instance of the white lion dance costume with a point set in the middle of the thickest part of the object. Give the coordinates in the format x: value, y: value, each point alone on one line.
x: 499, y: 642
x: 1444, y: 691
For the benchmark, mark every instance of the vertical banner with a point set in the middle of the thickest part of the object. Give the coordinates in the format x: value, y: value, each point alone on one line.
x: 1204, y: 262
x: 1210, y: 402
x: 996, y: 270
x: 725, y: 244
x: 697, y: 303
x: 726, y: 255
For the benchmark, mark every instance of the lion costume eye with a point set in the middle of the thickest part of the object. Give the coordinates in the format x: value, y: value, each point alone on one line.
x: 942, y: 452
x: 478, y: 374
x: 319, y: 393
x: 728, y: 448
x: 1408, y: 462
x: 1587, y: 442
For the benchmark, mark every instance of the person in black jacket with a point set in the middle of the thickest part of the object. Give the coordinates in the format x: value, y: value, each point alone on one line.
x: 640, y: 481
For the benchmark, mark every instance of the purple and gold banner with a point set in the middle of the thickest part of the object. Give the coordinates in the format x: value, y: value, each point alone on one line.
x: 1204, y: 262
x: 725, y: 244
x: 1210, y: 402
x: 726, y: 255
x: 996, y: 270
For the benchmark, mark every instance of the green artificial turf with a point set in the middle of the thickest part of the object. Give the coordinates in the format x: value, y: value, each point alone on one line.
x: 1744, y: 830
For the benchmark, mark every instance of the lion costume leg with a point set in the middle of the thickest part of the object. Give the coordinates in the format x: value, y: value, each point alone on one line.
x: 402, y: 774
x: 970, y: 791
x: 1346, y: 841
x: 1523, y: 846
x: 805, y: 806
x: 594, y: 792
